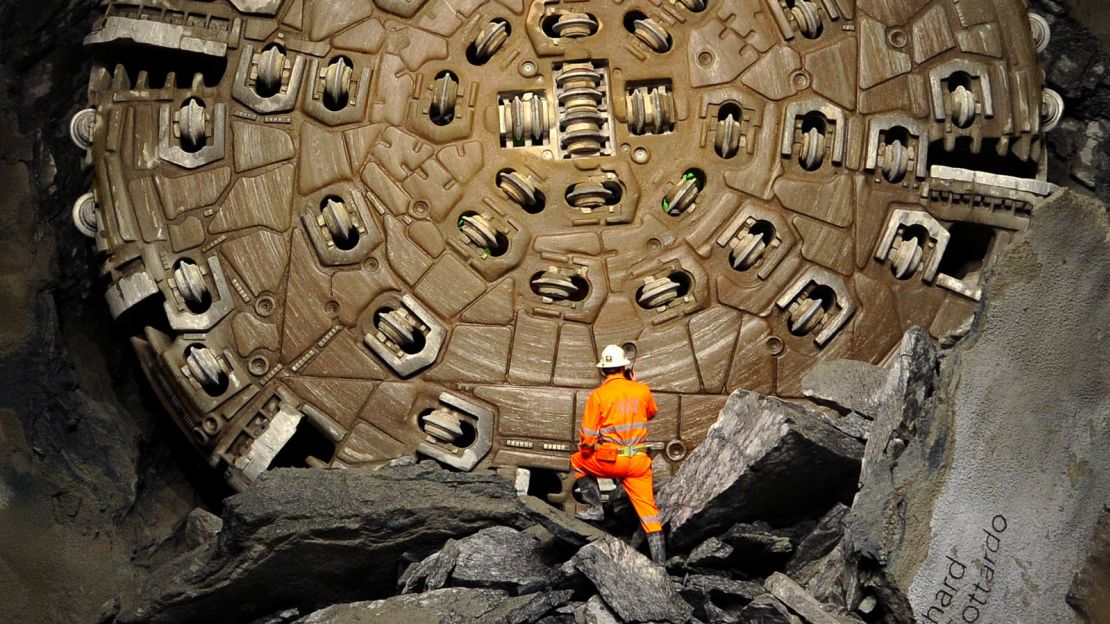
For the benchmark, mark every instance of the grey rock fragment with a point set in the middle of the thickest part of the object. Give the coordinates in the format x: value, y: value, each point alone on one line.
x: 500, y: 558
x: 569, y: 613
x: 198, y: 529
x: 716, y: 598
x: 851, y: 424
x: 712, y: 614
x: 820, y: 541
x: 431, y: 573
x: 847, y: 385
x: 404, y: 460
x: 342, y: 531
x: 763, y: 458
x: 201, y: 527
x: 800, y: 601
x: 636, y: 589
x: 285, y: 617
x: 712, y: 552
x: 442, y: 606
x: 832, y: 580
x: 528, y: 608
x: 766, y: 609
x: 757, y: 540
x: 561, y: 524
x: 722, y: 589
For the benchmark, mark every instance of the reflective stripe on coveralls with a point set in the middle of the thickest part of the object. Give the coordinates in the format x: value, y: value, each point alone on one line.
x: 616, y: 415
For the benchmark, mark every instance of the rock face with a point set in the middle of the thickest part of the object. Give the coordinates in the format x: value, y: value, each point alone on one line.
x: 767, y: 609
x: 764, y: 458
x: 631, y: 585
x: 299, y: 538
x: 900, y: 415
x: 90, y: 480
x: 1005, y: 467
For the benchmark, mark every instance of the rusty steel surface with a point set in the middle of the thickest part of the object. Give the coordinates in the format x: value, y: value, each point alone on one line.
x: 346, y: 231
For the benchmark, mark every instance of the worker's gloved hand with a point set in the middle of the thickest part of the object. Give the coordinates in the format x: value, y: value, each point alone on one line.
x: 586, y: 449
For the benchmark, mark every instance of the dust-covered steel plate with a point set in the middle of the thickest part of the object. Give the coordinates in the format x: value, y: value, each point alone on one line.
x: 348, y: 231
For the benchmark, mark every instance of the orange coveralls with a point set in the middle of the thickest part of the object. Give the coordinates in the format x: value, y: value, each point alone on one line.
x: 616, y: 416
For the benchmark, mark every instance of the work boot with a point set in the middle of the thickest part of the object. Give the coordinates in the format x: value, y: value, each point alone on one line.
x: 657, y: 544
x: 591, y: 495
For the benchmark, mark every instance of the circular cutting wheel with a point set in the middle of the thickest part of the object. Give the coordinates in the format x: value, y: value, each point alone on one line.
x: 408, y: 207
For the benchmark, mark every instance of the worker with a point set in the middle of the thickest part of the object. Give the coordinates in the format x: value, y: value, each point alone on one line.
x: 611, y: 444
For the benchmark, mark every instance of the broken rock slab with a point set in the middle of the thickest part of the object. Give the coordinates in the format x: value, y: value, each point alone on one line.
x: 764, y: 458
x: 712, y: 553
x: 846, y: 385
x: 632, y: 586
x: 766, y: 609
x: 714, y: 597
x: 201, y: 527
x: 310, y: 538
x: 850, y: 423
x: 820, y: 540
x: 561, y: 524
x: 980, y: 503
x: 496, y: 558
x: 757, y: 539
x: 800, y: 601
x: 527, y: 608
x: 833, y: 580
x: 432, y: 572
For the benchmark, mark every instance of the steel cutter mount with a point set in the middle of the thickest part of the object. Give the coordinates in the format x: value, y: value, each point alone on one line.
x: 344, y: 231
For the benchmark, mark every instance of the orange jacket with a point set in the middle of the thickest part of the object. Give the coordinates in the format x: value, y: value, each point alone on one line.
x: 618, y: 412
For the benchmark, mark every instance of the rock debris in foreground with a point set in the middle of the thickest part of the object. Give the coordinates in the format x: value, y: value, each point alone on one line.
x: 344, y: 531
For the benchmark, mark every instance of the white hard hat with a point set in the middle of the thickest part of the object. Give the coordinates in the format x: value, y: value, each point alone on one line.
x: 613, y: 357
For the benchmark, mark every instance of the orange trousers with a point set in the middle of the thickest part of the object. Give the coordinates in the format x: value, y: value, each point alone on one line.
x: 635, y: 475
